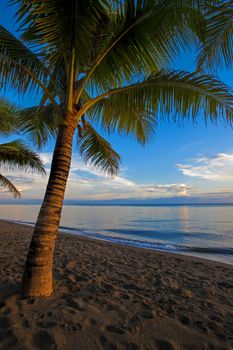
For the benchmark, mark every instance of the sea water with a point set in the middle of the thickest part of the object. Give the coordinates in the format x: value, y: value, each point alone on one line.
x: 198, y: 230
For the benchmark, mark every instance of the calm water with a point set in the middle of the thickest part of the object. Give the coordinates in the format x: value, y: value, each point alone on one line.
x: 205, y: 231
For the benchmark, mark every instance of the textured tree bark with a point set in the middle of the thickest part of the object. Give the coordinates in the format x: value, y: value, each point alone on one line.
x: 38, y: 271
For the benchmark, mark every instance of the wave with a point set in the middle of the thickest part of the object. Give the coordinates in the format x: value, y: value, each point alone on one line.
x: 173, y: 247
x: 143, y: 244
x: 166, y: 234
x: 152, y: 245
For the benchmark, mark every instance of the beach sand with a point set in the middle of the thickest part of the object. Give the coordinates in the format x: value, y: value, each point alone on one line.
x: 113, y: 297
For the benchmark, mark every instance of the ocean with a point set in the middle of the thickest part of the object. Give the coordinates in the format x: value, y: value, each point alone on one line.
x: 199, y: 230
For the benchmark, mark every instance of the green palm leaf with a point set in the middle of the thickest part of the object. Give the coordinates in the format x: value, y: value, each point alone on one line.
x: 217, y: 48
x: 40, y: 123
x: 60, y: 25
x: 19, y: 66
x: 9, y: 117
x: 97, y: 151
x: 180, y: 94
x: 128, y: 37
x: 140, y: 37
x: 15, y: 154
x: 8, y: 185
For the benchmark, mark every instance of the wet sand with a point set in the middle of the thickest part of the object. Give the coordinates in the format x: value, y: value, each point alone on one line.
x: 113, y: 297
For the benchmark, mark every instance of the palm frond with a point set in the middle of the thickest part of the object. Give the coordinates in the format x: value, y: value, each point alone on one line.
x: 7, y: 184
x: 217, y: 47
x: 132, y: 108
x: 59, y: 25
x: 99, y: 152
x: 140, y: 37
x: 40, y: 123
x: 16, y: 154
x: 19, y: 66
x: 9, y: 117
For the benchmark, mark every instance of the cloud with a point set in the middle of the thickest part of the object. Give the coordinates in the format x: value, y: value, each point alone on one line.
x: 177, y: 189
x: 86, y: 182
x: 96, y: 185
x: 22, y: 181
x: 46, y: 158
x: 217, y: 168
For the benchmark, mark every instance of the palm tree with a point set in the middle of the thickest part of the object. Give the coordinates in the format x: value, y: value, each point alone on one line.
x: 217, y: 42
x: 102, y: 62
x: 14, y: 154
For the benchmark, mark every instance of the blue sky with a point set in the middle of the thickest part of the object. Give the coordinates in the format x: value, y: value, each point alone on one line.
x: 191, y: 163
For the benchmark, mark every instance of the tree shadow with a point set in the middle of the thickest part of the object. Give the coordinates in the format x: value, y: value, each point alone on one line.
x: 7, y: 290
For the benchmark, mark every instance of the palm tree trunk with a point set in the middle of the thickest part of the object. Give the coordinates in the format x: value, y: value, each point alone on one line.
x: 38, y: 275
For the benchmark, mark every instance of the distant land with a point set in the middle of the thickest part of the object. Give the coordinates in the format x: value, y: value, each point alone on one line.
x: 132, y: 201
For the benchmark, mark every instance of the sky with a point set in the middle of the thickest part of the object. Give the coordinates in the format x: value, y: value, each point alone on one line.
x: 187, y: 164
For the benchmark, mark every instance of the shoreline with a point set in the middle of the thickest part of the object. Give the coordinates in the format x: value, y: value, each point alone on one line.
x: 110, y: 296
x: 192, y: 254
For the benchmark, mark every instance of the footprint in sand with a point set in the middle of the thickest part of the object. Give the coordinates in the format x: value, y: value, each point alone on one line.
x: 165, y: 345
x: 225, y: 285
x: 7, y: 337
x: 72, y: 326
x: 75, y: 304
x: 131, y: 346
x: 115, y: 329
x: 46, y: 339
x: 106, y: 344
x: 146, y: 314
x: 92, y: 322
x: 125, y: 296
x: 46, y: 324
x: 184, y: 319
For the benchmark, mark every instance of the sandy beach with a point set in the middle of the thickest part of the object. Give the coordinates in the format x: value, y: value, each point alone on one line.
x: 113, y: 297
